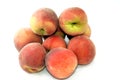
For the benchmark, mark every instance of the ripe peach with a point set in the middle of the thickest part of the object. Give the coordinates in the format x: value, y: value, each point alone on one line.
x: 73, y: 21
x: 83, y: 47
x: 25, y: 36
x: 61, y: 62
x: 32, y: 57
x: 54, y: 41
x: 44, y: 21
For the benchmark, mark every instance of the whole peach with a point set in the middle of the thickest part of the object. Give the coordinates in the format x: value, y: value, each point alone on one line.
x: 54, y: 41
x: 61, y: 62
x: 84, y: 49
x: 32, y: 57
x: 24, y: 36
x: 44, y: 21
x: 73, y: 21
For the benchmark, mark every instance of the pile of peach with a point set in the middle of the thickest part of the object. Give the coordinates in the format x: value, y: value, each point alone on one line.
x: 44, y: 44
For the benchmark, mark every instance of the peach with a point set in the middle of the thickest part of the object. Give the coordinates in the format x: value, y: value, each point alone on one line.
x: 44, y: 21
x: 54, y: 41
x: 32, y: 57
x: 61, y: 62
x: 84, y: 49
x: 24, y: 36
x: 73, y: 21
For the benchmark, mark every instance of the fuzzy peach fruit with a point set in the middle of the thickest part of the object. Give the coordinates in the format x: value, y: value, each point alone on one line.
x: 32, y: 57
x: 44, y: 21
x: 54, y: 41
x: 73, y: 21
x: 84, y: 49
x: 61, y: 62
x: 24, y: 36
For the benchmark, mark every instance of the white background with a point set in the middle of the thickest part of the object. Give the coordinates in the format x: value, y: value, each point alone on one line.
x: 103, y: 18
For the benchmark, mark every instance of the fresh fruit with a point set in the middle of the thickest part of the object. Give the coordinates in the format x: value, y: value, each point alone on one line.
x: 24, y: 36
x: 61, y: 62
x: 73, y: 21
x: 32, y: 57
x: 84, y: 49
x: 59, y: 44
x: 44, y: 21
x: 54, y: 41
